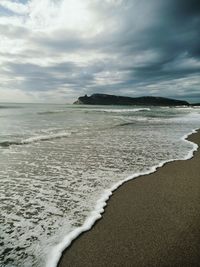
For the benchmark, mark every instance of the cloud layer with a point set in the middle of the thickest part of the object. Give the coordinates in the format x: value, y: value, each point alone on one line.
x: 54, y: 51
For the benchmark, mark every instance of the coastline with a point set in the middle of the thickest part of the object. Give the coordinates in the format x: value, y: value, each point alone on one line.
x: 91, y: 248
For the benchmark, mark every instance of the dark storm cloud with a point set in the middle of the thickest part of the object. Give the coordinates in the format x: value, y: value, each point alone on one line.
x: 185, y: 8
x: 145, y: 47
x: 174, y: 35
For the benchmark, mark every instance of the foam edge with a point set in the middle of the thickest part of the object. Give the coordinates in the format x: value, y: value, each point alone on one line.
x: 56, y: 252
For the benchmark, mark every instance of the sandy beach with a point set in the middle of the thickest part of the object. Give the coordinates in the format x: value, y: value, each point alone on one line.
x: 150, y: 221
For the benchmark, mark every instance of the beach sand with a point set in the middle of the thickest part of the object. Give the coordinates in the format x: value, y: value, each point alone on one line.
x: 153, y: 220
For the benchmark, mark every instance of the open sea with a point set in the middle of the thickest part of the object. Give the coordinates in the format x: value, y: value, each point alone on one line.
x: 59, y: 163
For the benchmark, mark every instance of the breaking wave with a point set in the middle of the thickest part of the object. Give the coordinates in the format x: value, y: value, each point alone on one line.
x: 120, y: 110
x: 35, y: 139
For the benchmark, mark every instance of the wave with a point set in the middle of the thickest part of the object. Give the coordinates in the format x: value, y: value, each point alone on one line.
x: 96, y: 214
x: 86, y: 110
x: 195, y: 116
x: 51, y: 112
x: 35, y: 139
x: 9, y: 143
x: 9, y: 107
x: 120, y: 110
x: 125, y: 124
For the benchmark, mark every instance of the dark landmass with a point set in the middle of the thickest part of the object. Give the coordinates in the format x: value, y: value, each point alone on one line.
x: 195, y: 104
x: 105, y: 99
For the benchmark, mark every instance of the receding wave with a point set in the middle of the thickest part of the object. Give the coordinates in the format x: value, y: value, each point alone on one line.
x: 35, y: 139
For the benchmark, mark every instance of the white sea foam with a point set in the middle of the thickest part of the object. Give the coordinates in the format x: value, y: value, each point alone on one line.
x: 45, y: 137
x: 49, y: 189
x: 96, y: 214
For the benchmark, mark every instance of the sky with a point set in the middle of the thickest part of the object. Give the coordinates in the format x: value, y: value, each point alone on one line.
x: 53, y: 51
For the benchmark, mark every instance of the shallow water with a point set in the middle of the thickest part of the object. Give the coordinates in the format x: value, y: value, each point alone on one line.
x: 56, y: 161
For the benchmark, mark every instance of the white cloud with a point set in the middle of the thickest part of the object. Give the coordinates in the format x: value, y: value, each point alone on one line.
x: 17, y: 96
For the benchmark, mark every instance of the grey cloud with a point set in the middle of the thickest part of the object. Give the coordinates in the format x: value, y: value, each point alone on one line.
x: 64, y: 41
x: 42, y: 78
x: 16, y: 32
x: 168, y: 29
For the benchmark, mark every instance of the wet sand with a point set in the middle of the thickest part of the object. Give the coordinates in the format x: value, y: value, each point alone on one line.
x: 153, y: 220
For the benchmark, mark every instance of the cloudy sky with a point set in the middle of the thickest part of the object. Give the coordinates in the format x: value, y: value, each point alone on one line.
x: 57, y: 50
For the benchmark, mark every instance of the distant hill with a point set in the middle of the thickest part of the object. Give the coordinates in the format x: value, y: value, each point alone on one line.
x: 195, y: 104
x: 105, y: 99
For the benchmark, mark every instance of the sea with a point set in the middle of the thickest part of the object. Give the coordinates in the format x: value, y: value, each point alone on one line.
x: 60, y: 163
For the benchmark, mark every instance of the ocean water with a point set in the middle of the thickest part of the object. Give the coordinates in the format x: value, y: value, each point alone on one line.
x: 58, y: 164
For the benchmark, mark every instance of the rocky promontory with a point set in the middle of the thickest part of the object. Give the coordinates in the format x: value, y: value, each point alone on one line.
x: 105, y: 99
x: 195, y: 104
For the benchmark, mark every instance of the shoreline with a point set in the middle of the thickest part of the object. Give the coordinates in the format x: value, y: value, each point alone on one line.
x: 65, y: 259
